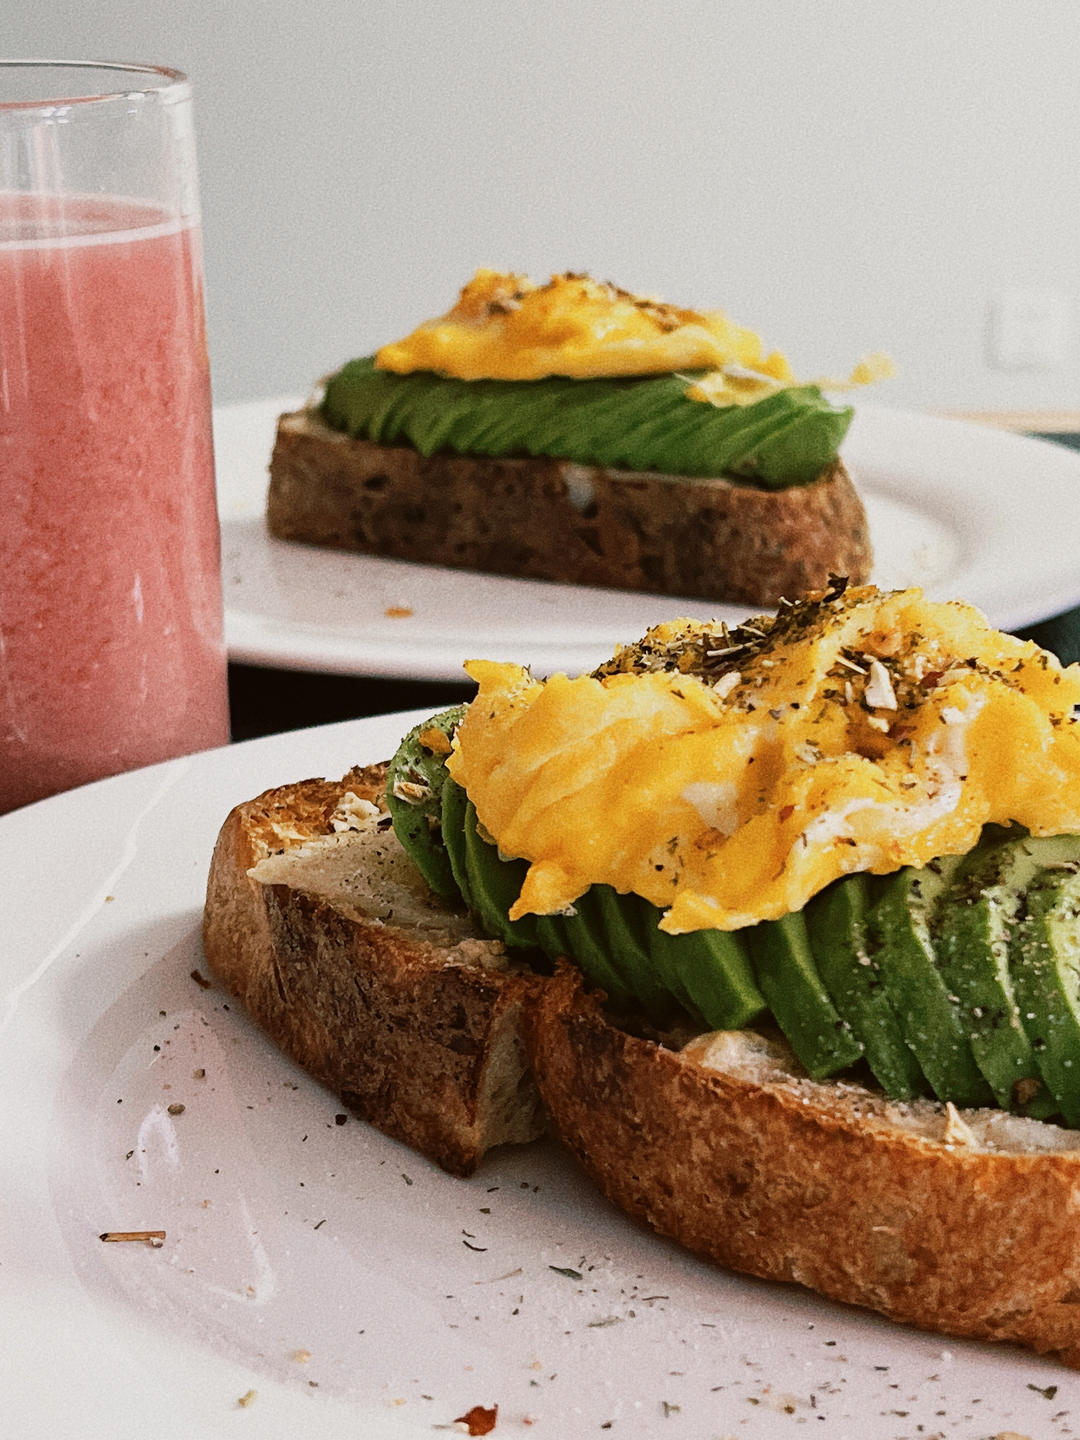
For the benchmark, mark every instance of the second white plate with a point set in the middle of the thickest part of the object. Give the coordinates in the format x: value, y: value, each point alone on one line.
x: 966, y: 512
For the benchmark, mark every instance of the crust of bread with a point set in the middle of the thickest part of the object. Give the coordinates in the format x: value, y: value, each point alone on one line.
x: 340, y: 952
x: 967, y: 1223
x: 555, y: 520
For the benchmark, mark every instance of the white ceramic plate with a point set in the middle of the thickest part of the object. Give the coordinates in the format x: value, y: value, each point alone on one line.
x: 334, y: 1279
x: 965, y: 511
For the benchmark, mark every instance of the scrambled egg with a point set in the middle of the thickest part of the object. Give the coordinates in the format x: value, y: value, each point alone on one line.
x: 728, y: 776
x: 504, y: 327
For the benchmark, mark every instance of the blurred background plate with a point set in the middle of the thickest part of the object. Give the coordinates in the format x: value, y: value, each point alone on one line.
x: 966, y: 511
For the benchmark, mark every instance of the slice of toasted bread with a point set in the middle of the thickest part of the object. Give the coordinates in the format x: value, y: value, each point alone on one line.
x: 961, y: 1222
x: 319, y: 922
x: 555, y: 520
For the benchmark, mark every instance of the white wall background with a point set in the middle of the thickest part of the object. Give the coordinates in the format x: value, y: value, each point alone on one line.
x: 843, y: 175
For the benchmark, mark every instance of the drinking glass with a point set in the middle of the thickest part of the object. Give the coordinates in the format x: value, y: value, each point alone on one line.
x: 111, y: 645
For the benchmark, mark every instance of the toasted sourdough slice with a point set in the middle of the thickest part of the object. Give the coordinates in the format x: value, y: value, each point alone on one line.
x: 319, y: 922
x: 966, y: 1222
x: 555, y: 520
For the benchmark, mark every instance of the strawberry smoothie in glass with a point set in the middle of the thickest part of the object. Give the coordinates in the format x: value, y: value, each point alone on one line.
x: 111, y: 648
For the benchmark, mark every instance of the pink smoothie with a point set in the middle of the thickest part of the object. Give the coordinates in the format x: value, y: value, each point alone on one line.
x: 111, y: 652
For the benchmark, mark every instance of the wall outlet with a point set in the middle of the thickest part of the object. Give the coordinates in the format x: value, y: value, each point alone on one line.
x: 1031, y: 329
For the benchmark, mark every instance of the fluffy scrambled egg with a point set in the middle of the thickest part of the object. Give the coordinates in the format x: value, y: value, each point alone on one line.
x: 504, y: 327
x: 729, y: 775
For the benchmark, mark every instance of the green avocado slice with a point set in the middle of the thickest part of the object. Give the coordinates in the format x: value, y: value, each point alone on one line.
x: 636, y: 423
x: 645, y: 919
x: 972, y: 943
x: 899, y: 931
x: 785, y: 970
x: 594, y: 949
x: 710, y: 971
x: 414, y: 785
x: 495, y: 883
x: 621, y: 923
x: 836, y: 923
x: 453, y: 807
x: 1044, y: 965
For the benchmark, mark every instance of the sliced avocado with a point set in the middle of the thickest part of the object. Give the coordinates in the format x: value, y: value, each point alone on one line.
x: 711, y: 969
x: 613, y: 938
x: 645, y: 422
x: 621, y: 923
x: 495, y: 883
x: 972, y: 944
x: 597, y: 947
x: 836, y: 926
x: 1044, y: 965
x: 452, y: 815
x: 899, y: 929
x: 645, y: 918
x: 784, y: 968
x: 414, y: 783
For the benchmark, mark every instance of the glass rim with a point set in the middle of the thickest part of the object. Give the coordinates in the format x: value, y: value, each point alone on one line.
x: 161, y: 81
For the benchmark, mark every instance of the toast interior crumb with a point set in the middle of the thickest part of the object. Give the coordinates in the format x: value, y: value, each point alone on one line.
x: 768, y: 1061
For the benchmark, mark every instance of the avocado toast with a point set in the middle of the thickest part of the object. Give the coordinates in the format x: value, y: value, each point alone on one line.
x: 575, y: 432
x: 855, y: 1074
